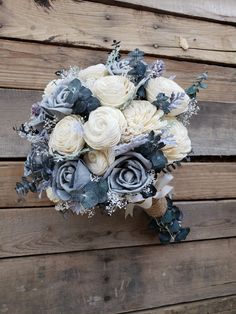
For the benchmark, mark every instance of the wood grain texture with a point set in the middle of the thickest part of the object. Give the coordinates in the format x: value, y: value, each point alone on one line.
x: 225, y: 305
x: 205, y: 181
x: 212, y: 131
x: 31, y: 65
x: 217, y: 10
x: 154, y: 33
x: 10, y: 173
x: 92, y: 266
x: 15, y: 106
x: 118, y: 280
x: 192, y: 181
x: 31, y: 231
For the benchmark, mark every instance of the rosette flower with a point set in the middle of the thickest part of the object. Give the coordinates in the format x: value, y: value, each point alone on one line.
x: 104, y: 128
x: 98, y: 161
x: 163, y: 85
x: 67, y: 136
x: 181, y: 143
x: 142, y: 117
x: 114, y: 91
x: 128, y: 174
x: 57, y: 97
x: 69, y: 179
x: 89, y: 75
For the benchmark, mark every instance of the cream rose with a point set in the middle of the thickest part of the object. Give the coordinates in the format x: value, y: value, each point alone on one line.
x: 163, y: 85
x: 51, y: 196
x: 67, y: 136
x: 114, y: 91
x: 142, y: 117
x: 104, y: 128
x: 182, y: 145
x: 99, y: 160
x: 89, y: 75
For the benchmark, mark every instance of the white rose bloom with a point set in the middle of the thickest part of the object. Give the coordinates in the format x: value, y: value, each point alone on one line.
x: 104, y: 128
x: 99, y: 160
x: 113, y: 91
x: 182, y: 146
x: 163, y: 85
x: 51, y: 196
x: 142, y: 117
x: 89, y: 75
x: 67, y: 136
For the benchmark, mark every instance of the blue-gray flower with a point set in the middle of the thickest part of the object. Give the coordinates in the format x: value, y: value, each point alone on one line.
x: 69, y: 178
x: 129, y: 173
x: 62, y: 98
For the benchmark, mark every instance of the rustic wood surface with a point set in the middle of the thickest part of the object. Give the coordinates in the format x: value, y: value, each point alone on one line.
x: 31, y: 65
x: 224, y: 305
x: 192, y: 181
x: 30, y: 231
x: 154, y: 33
x: 118, y: 280
x: 210, y: 9
x: 217, y: 120
x: 112, y: 265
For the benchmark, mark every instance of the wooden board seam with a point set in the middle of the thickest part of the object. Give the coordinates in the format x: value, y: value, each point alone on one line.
x: 66, y: 44
x: 152, y: 37
x: 115, y: 248
x: 144, y: 7
x: 176, y: 304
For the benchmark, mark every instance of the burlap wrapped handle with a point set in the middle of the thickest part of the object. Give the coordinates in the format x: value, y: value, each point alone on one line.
x: 158, y: 209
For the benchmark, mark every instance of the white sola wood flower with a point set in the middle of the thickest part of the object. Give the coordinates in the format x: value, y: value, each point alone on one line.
x: 181, y: 145
x: 67, y: 136
x: 89, y: 75
x: 163, y: 85
x: 99, y: 160
x: 142, y: 117
x: 104, y: 128
x: 114, y: 91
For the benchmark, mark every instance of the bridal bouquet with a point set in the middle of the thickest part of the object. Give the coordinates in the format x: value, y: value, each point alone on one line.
x: 107, y: 137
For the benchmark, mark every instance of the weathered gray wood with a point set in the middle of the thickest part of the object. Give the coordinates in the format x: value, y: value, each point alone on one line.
x: 10, y: 173
x: 205, y: 181
x: 225, y: 305
x: 30, y: 231
x: 32, y: 65
x: 15, y: 106
x: 212, y: 131
x: 217, y: 10
x: 154, y: 33
x: 118, y: 280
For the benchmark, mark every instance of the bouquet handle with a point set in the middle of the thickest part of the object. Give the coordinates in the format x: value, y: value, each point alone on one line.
x: 158, y: 208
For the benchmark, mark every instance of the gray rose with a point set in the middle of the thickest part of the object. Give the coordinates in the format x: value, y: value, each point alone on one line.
x: 68, y: 178
x: 62, y: 98
x: 128, y: 174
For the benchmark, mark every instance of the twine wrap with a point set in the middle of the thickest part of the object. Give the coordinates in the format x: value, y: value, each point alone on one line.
x: 158, y: 208
x: 155, y: 206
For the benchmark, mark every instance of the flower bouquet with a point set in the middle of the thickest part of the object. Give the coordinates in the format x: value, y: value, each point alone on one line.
x: 107, y: 138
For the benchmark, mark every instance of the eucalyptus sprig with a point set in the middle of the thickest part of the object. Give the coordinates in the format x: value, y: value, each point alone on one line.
x: 169, y: 226
x: 197, y: 85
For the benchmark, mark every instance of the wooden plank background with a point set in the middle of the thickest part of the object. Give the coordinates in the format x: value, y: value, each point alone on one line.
x: 108, y: 265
